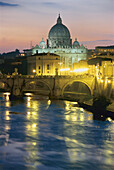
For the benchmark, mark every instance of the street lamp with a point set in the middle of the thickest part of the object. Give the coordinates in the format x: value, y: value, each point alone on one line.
x: 109, y: 81
x: 34, y: 72
x: 101, y: 80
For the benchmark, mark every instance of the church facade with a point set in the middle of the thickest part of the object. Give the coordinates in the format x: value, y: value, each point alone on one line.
x: 59, y: 42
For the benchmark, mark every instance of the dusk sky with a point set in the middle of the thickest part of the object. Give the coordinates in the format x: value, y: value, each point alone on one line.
x: 23, y: 21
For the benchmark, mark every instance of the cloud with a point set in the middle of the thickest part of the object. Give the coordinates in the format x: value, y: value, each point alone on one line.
x: 88, y: 42
x: 49, y: 3
x: 105, y: 40
x: 3, y: 4
x: 52, y: 4
x: 93, y: 44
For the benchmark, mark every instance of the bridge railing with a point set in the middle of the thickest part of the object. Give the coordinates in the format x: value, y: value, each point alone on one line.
x: 44, y: 76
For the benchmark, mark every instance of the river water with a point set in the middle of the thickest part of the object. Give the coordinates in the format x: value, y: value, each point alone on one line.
x: 36, y: 133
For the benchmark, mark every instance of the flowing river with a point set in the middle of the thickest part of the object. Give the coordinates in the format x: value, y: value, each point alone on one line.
x: 37, y: 133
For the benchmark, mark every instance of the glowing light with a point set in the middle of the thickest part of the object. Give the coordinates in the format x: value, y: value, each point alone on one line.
x: 74, y: 118
x: 7, y: 127
x: 34, y: 125
x: 34, y: 71
x: 34, y: 113
x: 80, y: 70
x: 7, y: 93
x: 67, y: 117
x: 7, y: 96
x: 28, y: 99
x: 28, y: 94
x: 7, y: 112
x: 75, y: 103
x: 35, y: 105
x: 64, y: 69
x: 101, y: 81
x: 28, y: 127
x: 109, y: 81
x: 67, y: 106
x: 34, y: 143
x: 7, y: 118
x: 28, y: 113
x: 60, y: 63
x: 89, y: 117
x: 28, y: 104
x: 49, y: 102
x: 109, y: 119
x: 22, y: 54
x: 81, y: 117
x: 82, y: 109
x: 28, y: 116
x: 7, y: 104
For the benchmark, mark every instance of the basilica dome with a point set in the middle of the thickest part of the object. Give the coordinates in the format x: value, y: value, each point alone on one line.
x: 76, y: 43
x: 59, y: 35
x: 42, y: 44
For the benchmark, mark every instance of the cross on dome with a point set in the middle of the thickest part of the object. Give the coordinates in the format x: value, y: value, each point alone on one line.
x: 59, y: 20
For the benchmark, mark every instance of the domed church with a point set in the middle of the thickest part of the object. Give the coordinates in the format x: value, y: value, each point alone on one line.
x: 59, y: 42
x: 59, y: 36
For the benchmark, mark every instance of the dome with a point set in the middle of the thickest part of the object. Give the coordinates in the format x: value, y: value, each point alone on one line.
x: 76, y: 43
x: 59, y: 30
x: 42, y: 44
x: 59, y: 35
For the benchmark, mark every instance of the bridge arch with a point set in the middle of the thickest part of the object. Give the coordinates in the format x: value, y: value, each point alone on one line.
x: 78, y: 83
x: 33, y: 85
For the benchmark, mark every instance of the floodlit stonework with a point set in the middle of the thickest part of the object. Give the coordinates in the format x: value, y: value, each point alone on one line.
x: 59, y: 42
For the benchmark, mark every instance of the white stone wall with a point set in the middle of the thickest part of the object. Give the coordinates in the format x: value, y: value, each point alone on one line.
x: 68, y: 56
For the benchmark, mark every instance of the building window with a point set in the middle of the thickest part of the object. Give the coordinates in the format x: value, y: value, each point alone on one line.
x: 39, y: 67
x: 36, y: 51
x: 47, y: 66
x: 39, y: 71
x: 56, y: 58
x: 39, y: 58
x: 47, y: 71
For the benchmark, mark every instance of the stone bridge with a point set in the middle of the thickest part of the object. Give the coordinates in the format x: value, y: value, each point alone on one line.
x: 53, y: 86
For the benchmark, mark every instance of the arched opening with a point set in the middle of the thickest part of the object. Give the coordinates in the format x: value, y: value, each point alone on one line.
x: 77, y: 90
x: 37, y: 87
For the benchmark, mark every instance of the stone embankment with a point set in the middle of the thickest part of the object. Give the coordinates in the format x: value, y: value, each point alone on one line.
x: 99, y: 113
x: 111, y: 106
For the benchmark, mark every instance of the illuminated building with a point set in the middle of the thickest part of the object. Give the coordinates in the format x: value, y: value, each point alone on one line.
x: 105, y: 52
x: 43, y: 64
x: 59, y: 42
x: 103, y: 67
x: 81, y: 67
x: 102, y: 49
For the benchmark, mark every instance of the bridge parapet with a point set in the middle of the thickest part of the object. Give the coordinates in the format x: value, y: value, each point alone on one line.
x: 56, y: 84
x: 17, y: 84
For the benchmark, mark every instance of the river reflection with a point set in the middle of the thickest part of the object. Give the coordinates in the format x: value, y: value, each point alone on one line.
x: 44, y: 134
